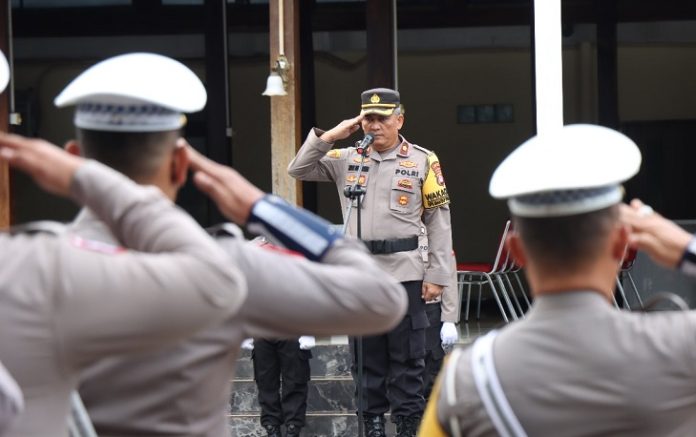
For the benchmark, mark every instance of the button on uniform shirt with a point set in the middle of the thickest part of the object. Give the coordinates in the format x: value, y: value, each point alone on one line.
x: 577, y: 366
x: 185, y: 390
x: 405, y: 190
x: 67, y: 302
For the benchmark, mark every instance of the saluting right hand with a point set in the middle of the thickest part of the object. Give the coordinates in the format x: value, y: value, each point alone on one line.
x: 342, y: 130
x: 663, y: 240
x: 50, y: 166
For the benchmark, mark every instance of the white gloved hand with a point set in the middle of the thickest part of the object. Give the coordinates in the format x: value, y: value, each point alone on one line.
x: 307, y: 342
x: 248, y: 344
x: 449, y: 334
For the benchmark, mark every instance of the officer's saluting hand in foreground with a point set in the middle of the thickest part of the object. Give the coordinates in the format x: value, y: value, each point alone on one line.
x: 576, y: 365
x: 405, y: 191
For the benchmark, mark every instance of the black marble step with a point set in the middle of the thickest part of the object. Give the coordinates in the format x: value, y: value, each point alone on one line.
x: 327, y: 360
x: 317, y: 425
x: 335, y: 394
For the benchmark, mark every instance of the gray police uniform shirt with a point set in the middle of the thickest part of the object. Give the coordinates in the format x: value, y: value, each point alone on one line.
x: 449, y: 300
x: 67, y: 302
x: 577, y: 366
x: 185, y: 390
x: 393, y: 206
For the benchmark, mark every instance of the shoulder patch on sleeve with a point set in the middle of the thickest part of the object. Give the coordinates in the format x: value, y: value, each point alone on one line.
x: 434, y: 189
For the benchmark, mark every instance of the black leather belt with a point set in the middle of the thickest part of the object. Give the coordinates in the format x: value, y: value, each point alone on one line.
x: 381, y: 247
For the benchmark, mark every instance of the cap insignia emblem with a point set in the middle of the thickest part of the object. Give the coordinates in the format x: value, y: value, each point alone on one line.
x: 375, y: 99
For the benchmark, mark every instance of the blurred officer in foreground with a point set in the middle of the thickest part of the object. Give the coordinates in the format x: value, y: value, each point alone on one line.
x: 405, y: 191
x: 11, y: 400
x: 282, y: 374
x: 128, y: 115
x: 576, y: 365
x: 67, y: 302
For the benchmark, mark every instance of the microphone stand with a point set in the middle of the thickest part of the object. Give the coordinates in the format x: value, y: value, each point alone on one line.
x: 355, y: 194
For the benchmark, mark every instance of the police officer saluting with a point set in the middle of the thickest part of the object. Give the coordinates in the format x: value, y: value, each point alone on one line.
x: 576, y: 366
x: 405, y: 190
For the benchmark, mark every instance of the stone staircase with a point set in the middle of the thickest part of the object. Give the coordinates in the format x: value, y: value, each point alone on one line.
x: 330, y: 403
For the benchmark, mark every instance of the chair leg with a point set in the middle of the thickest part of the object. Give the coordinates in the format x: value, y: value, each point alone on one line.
x: 623, y: 293
x: 478, y: 302
x: 468, y: 299
x: 514, y: 294
x: 497, y: 299
x: 524, y: 292
x: 635, y: 289
x: 506, y: 296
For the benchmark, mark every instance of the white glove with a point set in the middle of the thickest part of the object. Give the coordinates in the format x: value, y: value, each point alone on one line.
x: 449, y: 334
x: 306, y: 342
x: 248, y: 344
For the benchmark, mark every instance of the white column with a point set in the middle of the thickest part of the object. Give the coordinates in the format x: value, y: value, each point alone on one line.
x: 548, y: 52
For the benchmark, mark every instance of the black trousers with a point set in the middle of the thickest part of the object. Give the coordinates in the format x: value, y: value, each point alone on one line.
x: 393, y: 363
x: 434, y: 354
x: 281, y: 371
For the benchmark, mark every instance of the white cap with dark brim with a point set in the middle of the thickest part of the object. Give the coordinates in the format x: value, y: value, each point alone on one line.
x: 571, y: 170
x: 4, y: 72
x: 136, y: 92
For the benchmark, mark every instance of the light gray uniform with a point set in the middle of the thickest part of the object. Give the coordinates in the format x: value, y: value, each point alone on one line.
x: 185, y: 390
x: 11, y: 400
x: 67, y: 302
x: 393, y: 204
x: 578, y: 366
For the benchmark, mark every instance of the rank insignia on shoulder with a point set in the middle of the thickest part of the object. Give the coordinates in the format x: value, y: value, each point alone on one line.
x: 96, y: 246
x: 334, y: 153
x: 405, y: 183
x: 403, y: 200
x: 407, y: 164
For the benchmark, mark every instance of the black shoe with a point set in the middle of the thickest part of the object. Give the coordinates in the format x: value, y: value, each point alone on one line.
x: 407, y: 426
x: 292, y: 431
x: 374, y: 425
x: 272, y: 430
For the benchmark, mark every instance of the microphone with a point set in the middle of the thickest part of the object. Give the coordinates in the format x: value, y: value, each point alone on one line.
x: 361, y: 147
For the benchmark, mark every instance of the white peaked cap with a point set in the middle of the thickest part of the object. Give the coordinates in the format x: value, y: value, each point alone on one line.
x: 134, y: 92
x: 4, y: 72
x: 571, y: 170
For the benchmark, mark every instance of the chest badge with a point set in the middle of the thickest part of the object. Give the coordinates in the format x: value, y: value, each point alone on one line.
x: 403, y: 200
x: 407, y: 164
x: 405, y: 183
x: 334, y: 153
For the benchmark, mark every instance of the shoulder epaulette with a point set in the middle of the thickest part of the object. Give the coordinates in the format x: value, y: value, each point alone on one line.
x: 422, y: 149
x: 39, y: 227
